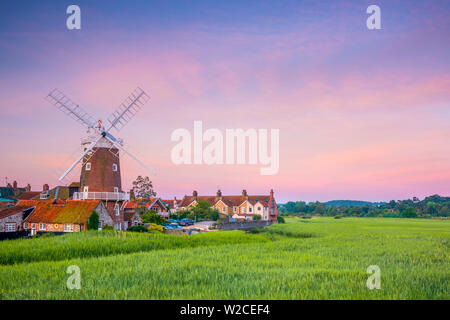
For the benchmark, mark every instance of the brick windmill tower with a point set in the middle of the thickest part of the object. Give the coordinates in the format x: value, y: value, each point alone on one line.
x: 100, y: 177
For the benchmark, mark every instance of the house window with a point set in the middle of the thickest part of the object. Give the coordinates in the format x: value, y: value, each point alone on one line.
x: 10, y: 227
x: 85, y: 189
x: 234, y: 209
x: 114, y: 167
x: 33, y: 226
x: 42, y: 226
x: 25, y: 225
x: 116, y: 209
x: 259, y: 208
x: 88, y: 166
x: 68, y: 227
x: 223, y: 209
x: 243, y: 209
x: 250, y: 209
x: 116, y: 189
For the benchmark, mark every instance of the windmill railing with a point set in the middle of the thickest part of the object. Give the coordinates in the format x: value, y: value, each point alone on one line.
x: 109, y: 196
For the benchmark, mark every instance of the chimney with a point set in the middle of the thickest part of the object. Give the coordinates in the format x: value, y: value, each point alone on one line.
x: 219, y: 195
x: 175, y: 204
x: 28, y: 188
x: 45, y: 187
x: 244, y: 194
x: 195, y: 194
x: 271, y: 193
x: 15, y: 185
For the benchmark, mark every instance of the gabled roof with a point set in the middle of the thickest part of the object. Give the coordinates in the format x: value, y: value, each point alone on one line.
x: 231, y: 201
x: 171, y: 203
x: 12, y: 211
x: 187, y: 200
x: 72, y: 211
x: 134, y: 203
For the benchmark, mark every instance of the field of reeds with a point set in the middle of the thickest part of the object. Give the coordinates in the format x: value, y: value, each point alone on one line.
x: 319, y: 258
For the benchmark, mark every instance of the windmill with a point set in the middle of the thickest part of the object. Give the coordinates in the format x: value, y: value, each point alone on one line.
x: 100, y: 166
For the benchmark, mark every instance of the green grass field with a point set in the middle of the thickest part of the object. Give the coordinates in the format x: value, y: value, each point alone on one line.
x: 321, y: 258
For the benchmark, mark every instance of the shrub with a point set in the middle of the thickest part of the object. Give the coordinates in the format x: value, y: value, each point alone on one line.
x: 107, y: 228
x: 280, y: 219
x: 152, y: 217
x: 137, y: 229
x: 155, y: 228
x: 92, y: 222
x: 257, y: 217
x: 256, y: 230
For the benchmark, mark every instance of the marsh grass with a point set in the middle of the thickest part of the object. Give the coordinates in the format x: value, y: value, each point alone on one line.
x: 413, y: 256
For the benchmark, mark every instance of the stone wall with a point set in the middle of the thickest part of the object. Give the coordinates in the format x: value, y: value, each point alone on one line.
x: 246, y: 225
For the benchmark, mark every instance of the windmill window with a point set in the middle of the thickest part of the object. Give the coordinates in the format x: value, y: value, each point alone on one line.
x: 88, y: 166
x: 114, y: 167
x: 116, y: 189
x: 116, y: 209
x: 85, y: 189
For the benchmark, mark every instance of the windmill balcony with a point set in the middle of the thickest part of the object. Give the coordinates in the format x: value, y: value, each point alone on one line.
x: 109, y: 196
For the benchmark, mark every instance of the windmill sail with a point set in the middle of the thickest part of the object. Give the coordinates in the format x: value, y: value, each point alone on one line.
x: 63, y: 103
x: 88, y: 152
x: 119, y: 146
x: 128, y: 109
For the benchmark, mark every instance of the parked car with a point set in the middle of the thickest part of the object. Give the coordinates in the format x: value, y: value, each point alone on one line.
x: 168, y: 225
x: 186, y: 222
x: 173, y: 221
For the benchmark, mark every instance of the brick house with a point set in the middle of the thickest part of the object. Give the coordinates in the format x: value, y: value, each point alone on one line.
x: 242, y: 207
x: 154, y: 204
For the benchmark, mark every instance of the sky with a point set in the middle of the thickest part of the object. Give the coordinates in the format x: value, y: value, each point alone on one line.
x: 362, y: 114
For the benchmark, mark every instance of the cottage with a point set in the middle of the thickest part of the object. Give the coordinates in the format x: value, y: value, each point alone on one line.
x: 11, y: 218
x: 65, y: 216
x: 154, y: 204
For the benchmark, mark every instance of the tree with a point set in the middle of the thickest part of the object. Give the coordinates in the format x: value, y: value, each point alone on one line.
x: 409, y: 212
x: 143, y: 188
x: 93, y: 220
x: 203, y: 210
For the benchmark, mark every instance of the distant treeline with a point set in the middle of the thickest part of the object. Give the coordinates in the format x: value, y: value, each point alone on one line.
x: 432, y: 206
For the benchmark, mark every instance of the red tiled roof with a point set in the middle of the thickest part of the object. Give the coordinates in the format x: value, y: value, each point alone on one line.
x: 228, y: 200
x: 134, y: 203
x: 72, y: 211
x: 187, y: 200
